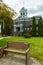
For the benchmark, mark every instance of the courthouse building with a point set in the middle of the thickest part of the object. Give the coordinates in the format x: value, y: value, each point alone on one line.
x: 23, y: 24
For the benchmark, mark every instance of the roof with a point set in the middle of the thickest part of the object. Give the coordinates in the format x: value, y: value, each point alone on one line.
x: 26, y: 18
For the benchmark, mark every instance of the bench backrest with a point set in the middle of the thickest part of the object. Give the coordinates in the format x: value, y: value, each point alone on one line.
x: 17, y: 45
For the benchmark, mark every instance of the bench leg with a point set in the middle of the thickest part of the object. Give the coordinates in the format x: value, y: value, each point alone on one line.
x: 26, y: 59
x: 5, y: 53
x: 1, y: 55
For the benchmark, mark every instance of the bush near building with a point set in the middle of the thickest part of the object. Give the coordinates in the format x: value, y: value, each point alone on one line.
x: 27, y: 35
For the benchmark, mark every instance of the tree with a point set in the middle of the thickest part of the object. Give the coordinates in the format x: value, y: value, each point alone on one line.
x: 6, y: 15
x: 40, y: 27
x: 33, y: 26
x: 1, y: 0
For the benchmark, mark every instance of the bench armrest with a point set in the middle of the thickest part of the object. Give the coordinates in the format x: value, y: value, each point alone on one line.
x: 1, y: 47
x: 27, y: 50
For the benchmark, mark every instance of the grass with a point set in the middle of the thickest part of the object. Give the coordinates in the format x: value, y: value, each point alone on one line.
x: 36, y: 45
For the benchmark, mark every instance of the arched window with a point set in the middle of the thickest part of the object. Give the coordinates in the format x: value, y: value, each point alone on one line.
x: 21, y: 13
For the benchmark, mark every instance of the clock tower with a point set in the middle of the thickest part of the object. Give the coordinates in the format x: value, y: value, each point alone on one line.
x: 23, y: 12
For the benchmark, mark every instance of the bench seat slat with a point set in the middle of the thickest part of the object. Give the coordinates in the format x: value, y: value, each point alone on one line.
x: 15, y: 51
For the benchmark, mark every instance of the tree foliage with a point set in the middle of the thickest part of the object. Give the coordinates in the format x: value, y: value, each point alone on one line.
x: 1, y: 0
x: 40, y: 27
x: 33, y: 26
x: 6, y: 15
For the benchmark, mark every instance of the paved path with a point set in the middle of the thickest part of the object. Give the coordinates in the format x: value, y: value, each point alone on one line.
x: 5, y: 37
x: 1, y: 38
x: 17, y: 60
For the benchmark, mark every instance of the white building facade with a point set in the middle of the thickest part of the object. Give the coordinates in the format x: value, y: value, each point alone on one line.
x: 23, y: 24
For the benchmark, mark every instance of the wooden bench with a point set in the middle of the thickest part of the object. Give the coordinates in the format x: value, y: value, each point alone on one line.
x: 18, y: 45
x: 1, y: 52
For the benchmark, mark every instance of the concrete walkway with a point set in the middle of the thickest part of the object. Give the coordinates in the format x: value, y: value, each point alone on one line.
x: 1, y: 38
x: 17, y: 60
x: 5, y: 37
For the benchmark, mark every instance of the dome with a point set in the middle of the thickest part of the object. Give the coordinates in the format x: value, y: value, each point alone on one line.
x: 23, y: 12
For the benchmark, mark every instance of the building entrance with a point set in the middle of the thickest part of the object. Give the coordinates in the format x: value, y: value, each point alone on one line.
x: 18, y: 29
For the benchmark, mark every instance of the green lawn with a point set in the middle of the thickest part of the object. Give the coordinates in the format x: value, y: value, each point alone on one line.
x: 36, y: 45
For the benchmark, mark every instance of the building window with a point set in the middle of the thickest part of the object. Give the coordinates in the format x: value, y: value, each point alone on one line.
x: 16, y: 23
x: 37, y: 28
x: 23, y: 13
x: 25, y: 28
x: 21, y: 29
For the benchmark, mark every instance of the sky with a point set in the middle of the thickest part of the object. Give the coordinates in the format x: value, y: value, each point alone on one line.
x: 34, y: 7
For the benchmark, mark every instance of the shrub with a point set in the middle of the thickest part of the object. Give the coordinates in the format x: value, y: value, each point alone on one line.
x: 27, y: 35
